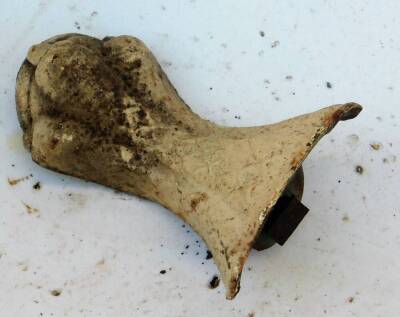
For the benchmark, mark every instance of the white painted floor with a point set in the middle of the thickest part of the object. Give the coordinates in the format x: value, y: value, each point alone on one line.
x: 103, y: 251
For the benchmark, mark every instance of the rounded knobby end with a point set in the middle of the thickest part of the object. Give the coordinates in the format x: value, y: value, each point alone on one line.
x: 349, y: 111
x: 342, y: 112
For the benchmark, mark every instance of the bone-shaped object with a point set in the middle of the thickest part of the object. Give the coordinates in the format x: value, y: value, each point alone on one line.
x: 104, y: 111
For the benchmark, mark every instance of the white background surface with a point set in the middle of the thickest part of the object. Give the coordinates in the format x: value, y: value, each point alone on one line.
x: 104, y: 250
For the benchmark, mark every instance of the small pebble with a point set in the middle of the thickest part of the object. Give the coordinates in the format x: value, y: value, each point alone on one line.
x: 359, y: 169
x: 214, y: 282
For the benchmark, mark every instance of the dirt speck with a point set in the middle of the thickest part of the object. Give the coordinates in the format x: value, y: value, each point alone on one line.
x: 77, y: 25
x: 275, y: 44
x: 101, y: 263
x: 94, y: 13
x: 375, y: 146
x: 328, y: 85
x: 56, y: 292
x: 345, y: 218
x: 78, y: 199
x: 262, y: 33
x: 214, y: 282
x: 37, y: 186
x: 15, y: 181
x: 30, y: 209
x: 359, y: 169
x: 289, y: 77
x: 251, y: 315
x: 163, y: 271
x: 209, y: 255
x: 166, y: 63
x: 350, y: 299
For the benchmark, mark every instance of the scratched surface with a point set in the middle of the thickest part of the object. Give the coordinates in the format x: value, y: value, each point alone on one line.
x: 72, y: 248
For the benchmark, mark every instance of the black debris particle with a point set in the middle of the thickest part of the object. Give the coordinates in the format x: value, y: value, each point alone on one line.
x: 94, y: 13
x: 37, y: 186
x: 350, y: 299
x: 289, y: 77
x: 77, y: 25
x: 56, y: 292
x: 163, y: 271
x: 183, y: 226
x: 238, y: 117
x: 262, y: 33
x: 328, y: 85
x: 210, y: 88
x: 209, y: 255
x: 12, y: 165
x: 318, y: 239
x: 214, y: 282
x: 359, y: 169
x: 187, y: 246
x: 197, y: 253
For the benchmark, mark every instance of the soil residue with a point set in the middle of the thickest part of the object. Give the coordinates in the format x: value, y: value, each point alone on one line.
x: 214, y: 282
x: 15, y: 181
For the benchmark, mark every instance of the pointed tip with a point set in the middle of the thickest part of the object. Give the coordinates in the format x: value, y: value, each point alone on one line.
x: 233, y: 286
